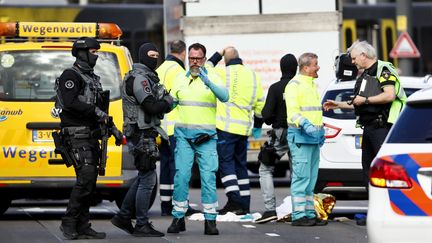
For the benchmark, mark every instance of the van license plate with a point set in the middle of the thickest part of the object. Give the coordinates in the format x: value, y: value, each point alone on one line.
x: 358, y: 141
x: 42, y: 135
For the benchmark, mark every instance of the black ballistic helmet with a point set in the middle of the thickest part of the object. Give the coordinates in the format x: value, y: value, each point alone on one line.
x: 345, y: 69
x: 84, y: 43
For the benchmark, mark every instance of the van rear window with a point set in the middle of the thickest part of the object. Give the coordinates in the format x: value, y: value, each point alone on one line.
x: 30, y: 75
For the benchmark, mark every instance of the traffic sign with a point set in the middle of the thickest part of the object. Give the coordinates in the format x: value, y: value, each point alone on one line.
x: 404, y: 47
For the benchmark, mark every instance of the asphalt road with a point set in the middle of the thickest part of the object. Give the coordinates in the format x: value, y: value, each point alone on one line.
x: 38, y: 221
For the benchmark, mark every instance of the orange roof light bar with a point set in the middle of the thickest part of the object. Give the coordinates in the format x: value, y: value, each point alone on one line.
x: 8, y: 29
x: 60, y: 29
x: 109, y: 31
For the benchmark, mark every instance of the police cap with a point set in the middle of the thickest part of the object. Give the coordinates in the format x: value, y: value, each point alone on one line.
x: 84, y: 43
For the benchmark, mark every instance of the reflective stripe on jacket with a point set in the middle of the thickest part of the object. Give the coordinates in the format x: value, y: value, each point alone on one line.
x: 197, y: 103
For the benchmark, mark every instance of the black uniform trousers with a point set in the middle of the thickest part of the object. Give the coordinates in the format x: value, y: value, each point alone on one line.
x: 373, y: 137
x: 86, y: 176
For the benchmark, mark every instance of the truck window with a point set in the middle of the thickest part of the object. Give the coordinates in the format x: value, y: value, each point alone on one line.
x: 30, y: 75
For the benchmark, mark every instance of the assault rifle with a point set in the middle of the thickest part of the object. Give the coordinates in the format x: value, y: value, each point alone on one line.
x: 107, y: 129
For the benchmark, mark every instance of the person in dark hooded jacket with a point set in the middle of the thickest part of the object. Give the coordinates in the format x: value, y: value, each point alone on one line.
x: 274, y: 114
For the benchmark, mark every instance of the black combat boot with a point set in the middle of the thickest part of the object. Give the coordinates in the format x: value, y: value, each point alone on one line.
x: 210, y: 227
x: 146, y: 230
x: 177, y: 225
x: 123, y: 224
x: 234, y: 208
x: 86, y: 232
x: 68, y: 227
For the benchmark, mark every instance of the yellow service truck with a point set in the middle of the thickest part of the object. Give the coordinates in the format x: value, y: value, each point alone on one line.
x: 32, y: 55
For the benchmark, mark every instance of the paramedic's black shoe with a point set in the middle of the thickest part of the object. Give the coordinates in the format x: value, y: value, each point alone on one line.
x: 303, y: 221
x: 210, y: 227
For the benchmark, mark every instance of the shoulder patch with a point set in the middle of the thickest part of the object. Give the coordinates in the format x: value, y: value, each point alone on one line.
x: 146, y: 86
x: 386, y: 74
x: 69, y: 84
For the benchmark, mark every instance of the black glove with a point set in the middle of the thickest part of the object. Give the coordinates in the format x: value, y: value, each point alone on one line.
x: 170, y: 100
x: 102, y: 116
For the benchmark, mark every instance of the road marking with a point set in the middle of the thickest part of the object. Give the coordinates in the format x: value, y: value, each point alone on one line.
x: 249, y: 226
x: 272, y: 234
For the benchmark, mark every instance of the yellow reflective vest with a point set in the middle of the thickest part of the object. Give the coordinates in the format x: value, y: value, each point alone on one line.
x: 303, y: 101
x: 168, y: 72
x: 246, y: 96
x: 197, y: 103
x: 399, y: 102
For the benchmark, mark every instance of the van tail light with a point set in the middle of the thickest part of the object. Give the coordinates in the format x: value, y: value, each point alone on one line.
x: 387, y: 174
x: 331, y: 131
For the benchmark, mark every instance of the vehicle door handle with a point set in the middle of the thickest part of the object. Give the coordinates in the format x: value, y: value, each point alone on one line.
x: 43, y: 125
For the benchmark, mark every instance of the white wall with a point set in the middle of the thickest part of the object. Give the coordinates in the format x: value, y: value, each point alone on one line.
x: 262, y: 52
x: 249, y: 7
x: 222, y: 7
x: 297, y: 6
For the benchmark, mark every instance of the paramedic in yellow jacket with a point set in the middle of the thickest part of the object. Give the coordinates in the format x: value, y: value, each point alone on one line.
x: 305, y: 136
x: 234, y: 123
x: 168, y: 71
x: 195, y: 134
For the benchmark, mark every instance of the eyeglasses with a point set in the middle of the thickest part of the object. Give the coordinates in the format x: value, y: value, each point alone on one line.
x: 195, y: 59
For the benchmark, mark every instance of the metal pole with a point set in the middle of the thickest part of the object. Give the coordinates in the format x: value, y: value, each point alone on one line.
x: 404, y: 23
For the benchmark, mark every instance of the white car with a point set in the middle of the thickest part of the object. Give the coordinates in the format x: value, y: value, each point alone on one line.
x: 400, y: 196
x: 340, y: 164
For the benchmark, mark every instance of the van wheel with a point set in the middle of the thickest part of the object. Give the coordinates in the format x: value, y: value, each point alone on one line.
x: 119, y: 199
x: 4, y: 205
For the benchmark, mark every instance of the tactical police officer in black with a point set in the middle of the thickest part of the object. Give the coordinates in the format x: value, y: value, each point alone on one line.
x: 79, y: 93
x: 145, y: 101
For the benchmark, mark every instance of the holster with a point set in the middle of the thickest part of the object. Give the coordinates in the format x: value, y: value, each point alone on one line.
x: 64, y: 148
x: 146, y: 154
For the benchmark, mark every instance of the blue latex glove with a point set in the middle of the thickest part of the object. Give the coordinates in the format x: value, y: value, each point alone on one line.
x: 188, y: 73
x: 256, y: 132
x: 204, y: 77
x: 310, y: 129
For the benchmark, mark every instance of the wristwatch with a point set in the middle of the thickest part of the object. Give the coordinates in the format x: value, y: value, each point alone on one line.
x: 367, y: 101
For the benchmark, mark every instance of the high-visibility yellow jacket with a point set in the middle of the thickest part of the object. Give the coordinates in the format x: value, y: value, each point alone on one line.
x: 246, y: 96
x: 197, y: 105
x: 400, y: 100
x: 168, y: 71
x: 303, y: 102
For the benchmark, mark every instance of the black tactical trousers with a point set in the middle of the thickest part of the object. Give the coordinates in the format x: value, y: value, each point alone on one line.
x: 86, y: 175
x: 373, y: 137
